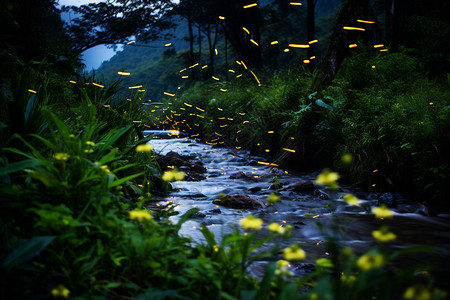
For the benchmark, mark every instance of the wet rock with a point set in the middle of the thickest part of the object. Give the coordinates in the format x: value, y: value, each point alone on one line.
x: 426, y: 210
x: 255, y: 189
x: 198, y: 215
x: 275, y: 186
x: 303, y: 269
x: 238, y: 175
x: 305, y: 186
x: 390, y: 199
x: 321, y: 194
x: 238, y: 201
x: 215, y: 211
x: 193, y: 176
x: 199, y: 195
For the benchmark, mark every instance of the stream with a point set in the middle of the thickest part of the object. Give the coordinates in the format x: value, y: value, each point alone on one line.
x: 301, y: 210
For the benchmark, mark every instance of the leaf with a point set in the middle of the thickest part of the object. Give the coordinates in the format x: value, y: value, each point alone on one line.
x: 123, y: 180
x: 18, y: 166
x: 209, y: 236
x: 320, y: 103
x: 186, y: 216
x: 26, y: 250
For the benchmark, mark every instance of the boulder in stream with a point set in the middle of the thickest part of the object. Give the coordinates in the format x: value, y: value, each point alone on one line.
x: 305, y: 186
x: 238, y: 201
x: 238, y: 175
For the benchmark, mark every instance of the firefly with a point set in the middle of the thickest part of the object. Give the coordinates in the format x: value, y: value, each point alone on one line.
x: 194, y: 65
x: 270, y: 131
x: 298, y: 46
x: 131, y: 42
x: 199, y: 108
x: 246, y: 30
x: 313, y: 42
x: 222, y: 17
x: 289, y: 150
x: 383, y: 50
x: 99, y: 85
x: 286, y: 50
x: 185, y: 76
x: 306, y: 61
x: 205, y: 66
x: 181, y: 71
x: 71, y: 81
x: 216, y: 51
x: 231, y: 71
x: 274, y: 42
x: 168, y: 44
x: 32, y: 91
x: 263, y: 163
x: 257, y: 80
x: 223, y: 90
x: 245, y: 67
x: 254, y: 42
x: 312, y: 57
x: 124, y: 73
x: 366, y: 22
x: 187, y: 104
x: 295, y: 3
x: 135, y: 87
x: 353, y: 28
x: 169, y: 94
x: 215, y: 78
x: 250, y: 5
x: 378, y: 46
x: 352, y: 45
x: 237, y: 76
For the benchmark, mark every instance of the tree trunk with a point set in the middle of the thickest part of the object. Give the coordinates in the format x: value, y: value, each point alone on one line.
x: 395, y: 11
x: 338, y: 49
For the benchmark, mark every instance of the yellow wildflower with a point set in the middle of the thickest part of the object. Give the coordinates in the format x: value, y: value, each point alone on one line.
x: 417, y: 293
x: 382, y: 212
x: 60, y: 292
x: 273, y: 198
x: 294, y: 253
x: 350, y: 199
x: 89, y: 150
x: 282, y: 268
x: 89, y: 143
x: 144, y: 148
x: 251, y: 223
x: 173, y: 175
x: 61, y: 156
x: 328, y: 178
x: 347, y: 158
x: 370, y: 261
x: 275, y: 227
x: 282, y: 263
x: 348, y: 280
x: 105, y: 169
x: 140, y: 215
x: 383, y: 235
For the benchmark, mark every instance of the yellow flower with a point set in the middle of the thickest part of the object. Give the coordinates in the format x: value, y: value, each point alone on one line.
x: 173, y: 175
x: 282, y: 263
x: 347, y: 158
x: 144, y: 148
x: 273, y: 198
x: 350, y: 199
x: 60, y: 292
x: 89, y: 143
x: 282, y: 268
x: 251, y: 223
x: 275, y: 227
x: 369, y: 261
x: 140, y: 215
x: 61, y: 156
x: 328, y: 178
x: 382, y: 212
x: 348, y: 280
x: 383, y: 235
x: 105, y: 169
x: 417, y: 293
x: 294, y: 253
x: 89, y: 150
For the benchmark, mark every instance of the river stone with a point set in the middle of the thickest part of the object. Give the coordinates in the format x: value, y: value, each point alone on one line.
x: 238, y: 175
x: 237, y: 201
x: 302, y: 186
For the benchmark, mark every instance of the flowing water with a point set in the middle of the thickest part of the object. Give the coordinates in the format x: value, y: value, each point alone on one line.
x: 304, y: 211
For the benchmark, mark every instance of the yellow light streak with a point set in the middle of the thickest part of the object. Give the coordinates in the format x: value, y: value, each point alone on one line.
x: 365, y: 21
x: 32, y: 91
x: 98, y: 85
x: 137, y: 122
x: 295, y: 3
x: 231, y: 71
x: 246, y: 30
x: 181, y: 71
x: 242, y: 114
x: 250, y: 5
x: 263, y: 163
x: 194, y: 65
x: 312, y: 57
x: 245, y: 122
x: 306, y: 61
x: 313, y: 42
x: 353, y: 28
x: 254, y: 75
x: 216, y: 51
x: 107, y: 105
x: 383, y: 50
x: 245, y: 67
x: 286, y: 50
x: 71, y: 81
x: 220, y: 109
x: 254, y: 42
x: 378, y: 46
x: 199, y: 108
x: 223, y: 90
x: 237, y: 76
x: 124, y: 73
x: 238, y: 62
x: 205, y: 66
x: 298, y: 46
x: 270, y: 131
x: 168, y: 44
x: 187, y: 104
x: 135, y: 87
x: 289, y: 150
x: 274, y: 42
x: 222, y: 17
x: 215, y: 78
x: 169, y: 94
x: 200, y: 116
x: 352, y: 45
x: 185, y: 76
x: 131, y: 42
